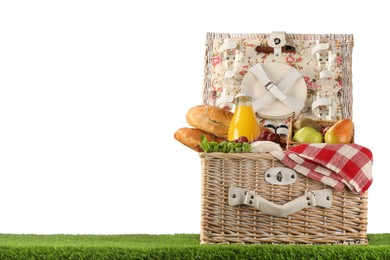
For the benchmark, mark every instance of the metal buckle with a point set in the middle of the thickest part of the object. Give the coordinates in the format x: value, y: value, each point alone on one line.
x: 269, y: 85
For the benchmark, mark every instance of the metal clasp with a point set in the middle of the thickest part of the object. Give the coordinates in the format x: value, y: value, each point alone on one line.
x: 280, y: 176
x: 277, y: 40
x: 269, y: 85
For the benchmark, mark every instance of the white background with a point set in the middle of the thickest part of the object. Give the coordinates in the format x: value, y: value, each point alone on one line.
x: 91, y: 93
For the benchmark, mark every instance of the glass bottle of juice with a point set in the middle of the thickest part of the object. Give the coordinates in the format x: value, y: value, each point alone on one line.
x: 244, y: 122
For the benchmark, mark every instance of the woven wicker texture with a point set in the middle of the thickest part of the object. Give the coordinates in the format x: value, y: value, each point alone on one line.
x: 344, y: 223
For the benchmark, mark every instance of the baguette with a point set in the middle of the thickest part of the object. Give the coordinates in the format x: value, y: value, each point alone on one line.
x: 190, y: 137
x: 210, y: 119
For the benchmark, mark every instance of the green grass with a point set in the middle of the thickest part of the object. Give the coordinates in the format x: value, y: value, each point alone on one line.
x: 179, y: 246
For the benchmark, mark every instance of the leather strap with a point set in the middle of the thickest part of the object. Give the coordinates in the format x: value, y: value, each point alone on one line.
x: 319, y: 47
x: 277, y: 91
x: 260, y: 74
x: 241, y: 196
x: 323, y: 102
x: 277, y: 40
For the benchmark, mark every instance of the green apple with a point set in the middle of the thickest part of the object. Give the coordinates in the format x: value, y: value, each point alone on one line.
x: 308, y: 134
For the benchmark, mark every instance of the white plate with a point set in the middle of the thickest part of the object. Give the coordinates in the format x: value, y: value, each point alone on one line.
x: 275, y: 72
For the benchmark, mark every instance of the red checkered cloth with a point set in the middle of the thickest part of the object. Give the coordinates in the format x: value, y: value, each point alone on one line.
x: 336, y: 165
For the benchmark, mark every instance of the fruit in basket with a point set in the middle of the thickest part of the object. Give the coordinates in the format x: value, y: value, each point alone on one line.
x: 267, y: 135
x: 302, y: 122
x: 273, y: 137
x: 264, y: 134
x: 340, y: 132
x: 308, y: 134
x: 325, y: 129
x: 242, y: 139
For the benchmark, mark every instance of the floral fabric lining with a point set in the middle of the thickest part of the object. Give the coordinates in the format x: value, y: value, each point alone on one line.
x: 302, y: 60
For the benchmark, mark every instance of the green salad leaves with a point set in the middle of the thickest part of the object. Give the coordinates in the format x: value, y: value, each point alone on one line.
x: 224, y: 147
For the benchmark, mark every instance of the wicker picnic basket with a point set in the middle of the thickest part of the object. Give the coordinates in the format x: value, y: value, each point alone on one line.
x: 344, y: 222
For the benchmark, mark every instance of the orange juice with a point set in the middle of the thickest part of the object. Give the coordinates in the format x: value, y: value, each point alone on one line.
x: 244, y: 122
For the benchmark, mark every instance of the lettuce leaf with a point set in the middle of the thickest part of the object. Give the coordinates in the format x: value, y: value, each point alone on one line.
x: 224, y: 147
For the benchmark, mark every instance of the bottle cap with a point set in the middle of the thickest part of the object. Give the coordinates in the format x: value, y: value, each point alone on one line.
x: 243, y: 94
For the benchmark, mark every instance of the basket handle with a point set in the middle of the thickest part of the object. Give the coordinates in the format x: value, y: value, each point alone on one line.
x: 241, y: 196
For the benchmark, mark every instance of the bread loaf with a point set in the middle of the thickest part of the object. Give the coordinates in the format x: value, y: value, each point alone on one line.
x: 210, y: 119
x: 190, y: 137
